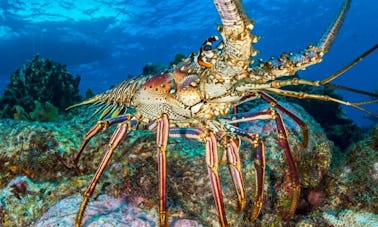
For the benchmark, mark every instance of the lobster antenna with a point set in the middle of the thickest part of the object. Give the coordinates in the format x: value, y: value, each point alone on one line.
x: 351, y: 89
x: 304, y: 95
x: 347, y: 67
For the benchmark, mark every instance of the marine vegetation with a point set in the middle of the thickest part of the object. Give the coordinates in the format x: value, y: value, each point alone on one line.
x: 194, y: 99
x: 39, y: 90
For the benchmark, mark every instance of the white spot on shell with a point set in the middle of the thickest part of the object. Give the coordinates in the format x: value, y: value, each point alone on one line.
x: 196, y: 107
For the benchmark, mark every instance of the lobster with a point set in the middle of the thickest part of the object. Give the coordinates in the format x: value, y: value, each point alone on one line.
x: 195, y: 98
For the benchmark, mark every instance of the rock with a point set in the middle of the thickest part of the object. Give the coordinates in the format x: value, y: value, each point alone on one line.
x: 130, y: 180
x: 351, y: 218
x: 353, y: 183
x: 104, y: 211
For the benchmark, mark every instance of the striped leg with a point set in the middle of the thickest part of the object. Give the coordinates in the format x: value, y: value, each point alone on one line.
x: 212, y: 167
x: 99, y: 127
x: 162, y: 142
x: 121, y: 131
x: 284, y: 144
x: 274, y: 103
x: 212, y: 164
x: 260, y: 175
x: 259, y: 162
x: 293, y: 174
x: 233, y: 145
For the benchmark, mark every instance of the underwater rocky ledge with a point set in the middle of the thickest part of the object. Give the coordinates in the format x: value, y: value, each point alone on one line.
x: 37, y: 189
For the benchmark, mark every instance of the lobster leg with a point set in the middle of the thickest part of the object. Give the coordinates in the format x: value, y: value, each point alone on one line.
x: 282, y: 138
x: 212, y: 167
x: 234, y: 166
x: 259, y: 156
x: 212, y: 164
x: 293, y: 174
x: 162, y: 142
x: 272, y: 102
x: 260, y: 176
x: 99, y: 127
x: 121, y: 131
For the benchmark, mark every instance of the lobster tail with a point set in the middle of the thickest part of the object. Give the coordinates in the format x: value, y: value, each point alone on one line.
x: 115, y: 101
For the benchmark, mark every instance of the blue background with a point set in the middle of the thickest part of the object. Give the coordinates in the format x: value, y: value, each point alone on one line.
x: 105, y: 41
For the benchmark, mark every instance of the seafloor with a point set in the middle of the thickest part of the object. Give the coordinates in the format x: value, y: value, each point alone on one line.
x: 340, y: 188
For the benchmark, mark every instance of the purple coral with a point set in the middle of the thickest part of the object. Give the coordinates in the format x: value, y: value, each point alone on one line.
x: 104, y: 211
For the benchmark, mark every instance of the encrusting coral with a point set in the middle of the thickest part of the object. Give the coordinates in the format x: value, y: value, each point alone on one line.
x: 38, y: 90
x: 355, y: 178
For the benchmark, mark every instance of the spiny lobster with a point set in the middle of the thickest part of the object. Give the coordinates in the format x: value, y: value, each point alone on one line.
x: 194, y: 100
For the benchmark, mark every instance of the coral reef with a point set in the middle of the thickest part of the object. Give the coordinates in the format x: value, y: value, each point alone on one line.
x: 34, y: 178
x: 355, y: 178
x: 178, y: 58
x: 38, y: 90
x: 31, y: 149
x: 104, y: 211
x: 152, y: 69
x: 347, y: 196
x: 351, y: 218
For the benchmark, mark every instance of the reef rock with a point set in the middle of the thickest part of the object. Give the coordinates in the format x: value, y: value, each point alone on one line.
x: 353, y: 183
x: 104, y: 211
x: 35, y: 177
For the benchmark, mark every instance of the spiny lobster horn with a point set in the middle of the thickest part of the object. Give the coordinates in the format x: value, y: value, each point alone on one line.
x: 331, y: 33
x: 115, y: 101
x: 231, y: 12
x: 289, y: 64
x: 236, y: 30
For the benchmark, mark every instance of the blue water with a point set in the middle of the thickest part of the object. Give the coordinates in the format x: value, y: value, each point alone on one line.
x: 105, y: 41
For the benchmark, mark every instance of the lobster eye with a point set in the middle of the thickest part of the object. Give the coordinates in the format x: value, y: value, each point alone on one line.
x: 207, y: 47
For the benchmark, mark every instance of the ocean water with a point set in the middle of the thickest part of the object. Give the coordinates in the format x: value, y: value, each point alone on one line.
x: 106, y: 41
